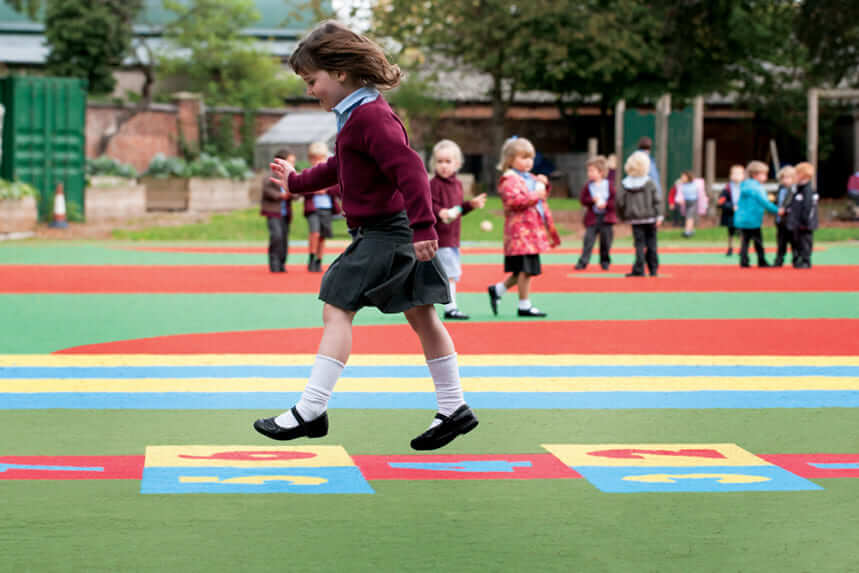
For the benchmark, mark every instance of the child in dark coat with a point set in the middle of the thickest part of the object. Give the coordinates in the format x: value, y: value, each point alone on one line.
x: 802, y: 218
x: 784, y: 196
x: 728, y: 200
x: 597, y: 198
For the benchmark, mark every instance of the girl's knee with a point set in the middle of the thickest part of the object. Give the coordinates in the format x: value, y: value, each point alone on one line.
x: 332, y: 314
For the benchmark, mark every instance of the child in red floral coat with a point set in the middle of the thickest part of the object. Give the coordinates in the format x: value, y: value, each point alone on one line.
x: 528, y: 226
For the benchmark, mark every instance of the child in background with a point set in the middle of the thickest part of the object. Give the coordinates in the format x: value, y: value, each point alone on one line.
x: 692, y: 199
x: 728, y: 202
x: 528, y: 226
x: 749, y: 215
x: 276, y: 207
x: 784, y: 195
x: 639, y: 203
x: 802, y: 219
x: 319, y: 208
x: 391, y: 262
x: 597, y: 197
x: 448, y: 205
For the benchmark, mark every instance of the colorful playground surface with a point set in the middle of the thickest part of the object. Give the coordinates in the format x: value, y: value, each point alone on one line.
x: 705, y: 420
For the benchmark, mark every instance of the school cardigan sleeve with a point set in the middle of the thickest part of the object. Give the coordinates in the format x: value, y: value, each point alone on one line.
x: 386, y: 142
x: 315, y: 178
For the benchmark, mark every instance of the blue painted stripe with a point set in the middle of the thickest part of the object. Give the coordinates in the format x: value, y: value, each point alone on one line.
x: 257, y: 371
x: 426, y: 400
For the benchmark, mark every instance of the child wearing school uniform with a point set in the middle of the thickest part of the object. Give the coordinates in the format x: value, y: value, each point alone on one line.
x: 749, y: 215
x: 597, y: 198
x: 528, y: 225
x: 319, y: 208
x: 639, y: 203
x: 449, y: 207
x: 728, y: 199
x: 692, y: 199
x: 276, y: 207
x: 784, y: 196
x: 802, y: 219
x: 391, y: 263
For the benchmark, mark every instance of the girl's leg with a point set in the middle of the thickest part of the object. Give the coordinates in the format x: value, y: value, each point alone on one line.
x: 334, y: 350
x: 524, y: 286
x: 313, y: 239
x: 320, y: 248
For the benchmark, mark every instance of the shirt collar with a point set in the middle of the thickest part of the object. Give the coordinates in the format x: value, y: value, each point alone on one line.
x: 346, y: 105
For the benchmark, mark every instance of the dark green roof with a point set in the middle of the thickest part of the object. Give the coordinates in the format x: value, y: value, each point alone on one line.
x: 277, y: 17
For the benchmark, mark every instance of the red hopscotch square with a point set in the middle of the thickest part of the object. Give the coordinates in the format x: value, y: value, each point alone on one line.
x: 464, y: 467
x: 70, y: 467
x: 800, y: 464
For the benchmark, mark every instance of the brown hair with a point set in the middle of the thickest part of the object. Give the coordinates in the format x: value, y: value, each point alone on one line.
x: 645, y: 143
x: 283, y: 153
x: 332, y: 47
x: 599, y: 162
x: 512, y: 148
x: 755, y: 167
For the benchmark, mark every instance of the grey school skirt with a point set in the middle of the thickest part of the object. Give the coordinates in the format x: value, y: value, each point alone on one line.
x: 379, y: 268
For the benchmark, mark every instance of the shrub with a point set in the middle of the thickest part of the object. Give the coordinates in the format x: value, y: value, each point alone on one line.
x: 16, y: 190
x: 205, y: 166
x: 105, y: 165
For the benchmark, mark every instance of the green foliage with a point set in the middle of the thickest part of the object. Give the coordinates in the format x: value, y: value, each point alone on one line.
x: 206, y: 166
x: 29, y: 7
x: 206, y: 49
x: 89, y: 39
x: 14, y: 190
x: 105, y: 165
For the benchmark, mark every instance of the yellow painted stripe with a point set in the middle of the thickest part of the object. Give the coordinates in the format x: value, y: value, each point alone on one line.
x: 637, y: 384
x: 58, y: 360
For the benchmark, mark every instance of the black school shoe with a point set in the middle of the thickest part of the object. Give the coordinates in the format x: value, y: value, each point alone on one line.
x: 316, y: 428
x: 459, y: 423
x: 533, y: 311
x: 455, y: 314
x: 493, y: 299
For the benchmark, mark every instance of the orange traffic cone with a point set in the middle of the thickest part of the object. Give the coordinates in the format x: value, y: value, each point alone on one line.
x: 59, y: 208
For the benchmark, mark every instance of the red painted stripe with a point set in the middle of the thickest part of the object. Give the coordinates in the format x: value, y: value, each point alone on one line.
x: 543, y: 466
x: 120, y: 279
x: 115, y: 467
x: 302, y: 249
x: 776, y: 337
x: 800, y: 464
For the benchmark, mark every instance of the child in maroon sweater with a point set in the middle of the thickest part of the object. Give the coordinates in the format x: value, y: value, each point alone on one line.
x: 448, y: 205
x: 391, y: 262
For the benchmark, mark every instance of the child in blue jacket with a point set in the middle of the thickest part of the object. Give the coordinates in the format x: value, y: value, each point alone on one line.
x: 749, y: 214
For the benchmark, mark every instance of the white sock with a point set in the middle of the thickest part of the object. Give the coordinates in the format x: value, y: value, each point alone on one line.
x: 314, y: 399
x: 524, y: 303
x: 500, y: 289
x: 452, y: 304
x: 448, y: 390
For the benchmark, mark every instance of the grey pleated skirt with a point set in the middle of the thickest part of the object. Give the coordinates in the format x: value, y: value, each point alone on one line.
x: 379, y: 268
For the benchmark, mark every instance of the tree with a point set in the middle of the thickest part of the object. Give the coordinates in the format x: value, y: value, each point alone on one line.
x: 29, y: 7
x: 89, y: 39
x: 208, y: 50
x: 485, y: 36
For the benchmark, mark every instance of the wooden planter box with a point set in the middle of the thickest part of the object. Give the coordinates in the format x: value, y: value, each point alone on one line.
x: 168, y: 194
x: 18, y: 215
x: 114, y: 198
x: 207, y: 195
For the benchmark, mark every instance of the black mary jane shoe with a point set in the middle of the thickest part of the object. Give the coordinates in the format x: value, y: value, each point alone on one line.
x: 455, y: 314
x: 533, y: 311
x: 459, y: 423
x: 493, y: 299
x: 315, y: 428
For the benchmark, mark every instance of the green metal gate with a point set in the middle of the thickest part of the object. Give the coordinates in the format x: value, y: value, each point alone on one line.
x: 637, y: 124
x: 44, y: 136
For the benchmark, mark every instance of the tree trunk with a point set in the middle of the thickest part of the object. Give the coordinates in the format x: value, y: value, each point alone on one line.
x: 496, y: 134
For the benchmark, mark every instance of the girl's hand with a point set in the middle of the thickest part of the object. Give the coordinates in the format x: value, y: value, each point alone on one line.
x: 444, y: 215
x: 425, y: 250
x: 542, y: 179
x: 280, y: 170
x: 540, y: 193
x: 478, y: 202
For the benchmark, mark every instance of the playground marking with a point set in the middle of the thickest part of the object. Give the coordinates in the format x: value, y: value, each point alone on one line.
x: 653, y: 455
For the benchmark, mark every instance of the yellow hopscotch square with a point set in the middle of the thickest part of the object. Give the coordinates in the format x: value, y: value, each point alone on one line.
x: 653, y: 455
x: 247, y: 456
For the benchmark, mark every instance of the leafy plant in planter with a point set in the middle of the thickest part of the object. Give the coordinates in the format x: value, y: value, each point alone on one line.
x: 162, y: 167
x: 14, y: 190
x: 206, y: 166
x: 109, y: 166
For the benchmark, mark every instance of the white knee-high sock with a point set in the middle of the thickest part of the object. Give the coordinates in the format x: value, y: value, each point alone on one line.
x: 314, y: 400
x: 452, y: 304
x: 448, y: 389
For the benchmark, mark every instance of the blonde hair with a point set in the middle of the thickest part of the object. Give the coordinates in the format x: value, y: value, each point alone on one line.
x: 332, y: 47
x: 805, y: 170
x: 317, y: 149
x: 637, y: 165
x: 600, y: 162
x: 786, y: 170
x: 447, y: 144
x: 737, y: 167
x: 755, y: 167
x: 512, y: 148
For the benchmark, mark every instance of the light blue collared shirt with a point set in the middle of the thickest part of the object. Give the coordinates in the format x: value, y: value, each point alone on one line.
x: 348, y: 104
x: 531, y: 182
